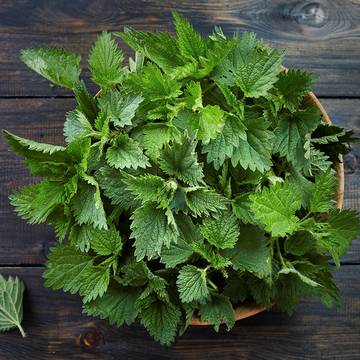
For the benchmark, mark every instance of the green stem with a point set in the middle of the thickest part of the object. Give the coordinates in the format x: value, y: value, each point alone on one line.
x: 279, y: 252
x: 23, y: 334
x: 211, y: 283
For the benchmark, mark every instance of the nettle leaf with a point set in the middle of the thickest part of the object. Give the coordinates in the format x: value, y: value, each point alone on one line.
x: 181, y: 251
x: 151, y: 188
x: 341, y: 228
x: 222, y: 147
x: 111, y: 181
x: 157, y: 135
x: 57, y: 65
x: 251, y: 252
x: 206, y: 122
x: 180, y: 160
x: 211, y: 255
x: 160, y: 319
x: 192, y: 285
x: 117, y: 305
x: 75, y: 272
x: 119, y: 108
x: 292, y: 86
x: 203, y: 201
x: 105, y: 242
x: 11, y: 304
x: 190, y: 43
x: 153, y: 84
x: 222, y: 231
x: 126, y: 153
x: 36, y: 202
x: 86, y: 102
x: 292, y: 135
x: 105, y: 61
x: 275, y: 208
x: 76, y: 124
x: 323, y: 193
x: 88, y: 207
x: 254, y: 152
x: 151, y: 230
x: 300, y: 243
x: 250, y: 65
x: 217, y: 311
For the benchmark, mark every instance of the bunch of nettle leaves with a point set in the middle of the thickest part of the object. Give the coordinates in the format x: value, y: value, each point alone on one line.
x: 195, y: 180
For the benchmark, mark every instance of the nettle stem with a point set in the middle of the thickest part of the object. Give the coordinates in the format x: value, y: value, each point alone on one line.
x: 279, y: 252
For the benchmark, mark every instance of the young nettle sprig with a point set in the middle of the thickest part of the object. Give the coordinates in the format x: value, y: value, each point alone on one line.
x: 194, y: 180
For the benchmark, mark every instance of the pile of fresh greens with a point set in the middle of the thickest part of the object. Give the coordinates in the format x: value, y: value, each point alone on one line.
x: 195, y: 180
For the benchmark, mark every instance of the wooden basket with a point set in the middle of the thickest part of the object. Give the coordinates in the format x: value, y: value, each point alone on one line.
x: 244, y: 311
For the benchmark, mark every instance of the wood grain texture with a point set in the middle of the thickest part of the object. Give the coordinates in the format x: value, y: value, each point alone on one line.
x: 321, y: 35
x: 56, y: 330
x: 42, y: 120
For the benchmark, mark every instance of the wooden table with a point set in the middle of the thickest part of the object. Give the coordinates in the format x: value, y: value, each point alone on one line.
x: 321, y: 36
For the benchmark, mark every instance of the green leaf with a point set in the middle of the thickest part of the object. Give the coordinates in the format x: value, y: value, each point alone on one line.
x: 241, y: 207
x: 292, y: 86
x: 341, y: 228
x: 117, y: 305
x: 74, y: 272
x: 153, y: 84
x: 88, y: 207
x: 151, y: 188
x: 106, y: 242
x: 275, y: 208
x: 191, y: 284
x: 211, y: 255
x: 57, y: 65
x: 11, y: 303
x: 126, y: 153
x: 251, y: 252
x: 151, y: 230
x: 181, y: 251
x: 157, y: 135
x: 180, y: 160
x: 86, y: 102
x: 323, y: 193
x: 218, y: 310
x: 111, y: 181
x: 76, y: 124
x: 292, y: 135
x: 36, y: 202
x: 203, y: 201
x: 160, y: 320
x: 254, y: 152
x: 193, y: 95
x: 190, y: 43
x: 27, y: 148
x: 250, y: 65
x: 118, y: 108
x: 105, y: 61
x: 222, y: 231
x: 160, y: 47
x: 300, y: 243
x: 222, y: 147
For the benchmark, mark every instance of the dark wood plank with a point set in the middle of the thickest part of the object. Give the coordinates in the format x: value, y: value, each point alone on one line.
x: 321, y: 36
x: 42, y: 120
x: 57, y: 330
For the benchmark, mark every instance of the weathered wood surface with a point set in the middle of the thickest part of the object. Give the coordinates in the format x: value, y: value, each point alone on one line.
x: 321, y: 35
x: 56, y: 330
x: 42, y: 120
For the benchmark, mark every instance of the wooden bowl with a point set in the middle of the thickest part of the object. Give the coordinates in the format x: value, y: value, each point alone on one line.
x: 244, y: 311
